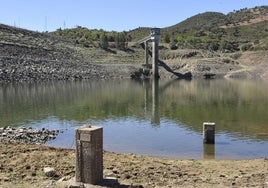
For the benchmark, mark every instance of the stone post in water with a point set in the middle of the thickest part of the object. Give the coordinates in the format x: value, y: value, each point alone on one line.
x: 209, y: 132
x: 89, y: 154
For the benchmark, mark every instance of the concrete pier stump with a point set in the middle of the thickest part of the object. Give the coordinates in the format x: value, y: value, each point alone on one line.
x: 89, y: 154
x: 209, y: 132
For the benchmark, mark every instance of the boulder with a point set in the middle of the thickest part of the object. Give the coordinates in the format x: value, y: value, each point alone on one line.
x: 49, y: 171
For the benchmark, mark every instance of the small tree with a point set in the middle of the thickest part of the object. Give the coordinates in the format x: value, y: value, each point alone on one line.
x: 104, y: 41
x: 229, y: 46
x: 166, y: 38
x: 214, y: 46
x: 246, y: 47
x: 120, y: 41
x: 173, y: 46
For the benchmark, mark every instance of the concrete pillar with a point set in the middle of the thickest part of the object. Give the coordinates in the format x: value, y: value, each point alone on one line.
x: 155, y: 58
x: 209, y: 132
x: 89, y: 154
x: 155, y: 35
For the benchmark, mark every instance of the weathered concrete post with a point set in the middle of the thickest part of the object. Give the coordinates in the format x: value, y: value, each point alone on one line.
x: 209, y: 132
x: 89, y: 154
x: 155, y: 35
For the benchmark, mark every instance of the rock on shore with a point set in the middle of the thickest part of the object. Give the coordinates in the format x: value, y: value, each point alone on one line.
x: 27, y: 135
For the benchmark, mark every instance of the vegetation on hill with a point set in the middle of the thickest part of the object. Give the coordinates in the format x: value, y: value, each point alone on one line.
x: 244, y: 29
x: 245, y: 16
x: 95, y: 38
x: 195, y: 23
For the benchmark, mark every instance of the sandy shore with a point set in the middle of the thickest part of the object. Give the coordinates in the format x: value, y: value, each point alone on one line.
x: 21, y: 165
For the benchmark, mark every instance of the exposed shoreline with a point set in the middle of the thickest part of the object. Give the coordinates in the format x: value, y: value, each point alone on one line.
x: 23, y: 159
x: 21, y: 165
x: 16, y: 70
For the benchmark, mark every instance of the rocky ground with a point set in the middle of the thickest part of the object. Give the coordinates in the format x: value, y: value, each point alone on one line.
x: 23, y: 165
x: 26, y: 135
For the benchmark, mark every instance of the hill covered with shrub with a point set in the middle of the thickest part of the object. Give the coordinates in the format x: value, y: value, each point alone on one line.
x: 244, y: 29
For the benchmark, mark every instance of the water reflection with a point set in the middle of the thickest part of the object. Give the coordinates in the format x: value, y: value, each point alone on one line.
x: 208, y: 151
x: 155, y: 102
x: 161, y: 118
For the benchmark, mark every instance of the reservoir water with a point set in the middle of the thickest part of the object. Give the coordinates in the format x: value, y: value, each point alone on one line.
x: 153, y: 118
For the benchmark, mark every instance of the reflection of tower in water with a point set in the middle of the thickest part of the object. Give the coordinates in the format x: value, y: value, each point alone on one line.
x: 152, y: 85
x: 155, y: 102
x: 146, y: 85
x: 208, y: 151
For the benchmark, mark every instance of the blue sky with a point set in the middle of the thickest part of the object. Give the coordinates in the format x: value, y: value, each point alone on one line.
x: 117, y: 15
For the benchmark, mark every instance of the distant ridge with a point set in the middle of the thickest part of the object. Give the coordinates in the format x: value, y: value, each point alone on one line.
x: 198, y: 21
x: 211, y: 20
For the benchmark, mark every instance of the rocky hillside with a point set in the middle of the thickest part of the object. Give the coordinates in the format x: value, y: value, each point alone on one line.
x: 25, y: 44
x: 31, y: 56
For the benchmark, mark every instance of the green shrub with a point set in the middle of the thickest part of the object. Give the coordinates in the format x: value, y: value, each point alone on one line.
x: 236, y: 56
x: 173, y: 46
x: 246, y: 47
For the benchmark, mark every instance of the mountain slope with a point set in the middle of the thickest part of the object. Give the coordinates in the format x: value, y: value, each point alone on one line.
x: 197, y: 22
x: 212, y: 29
